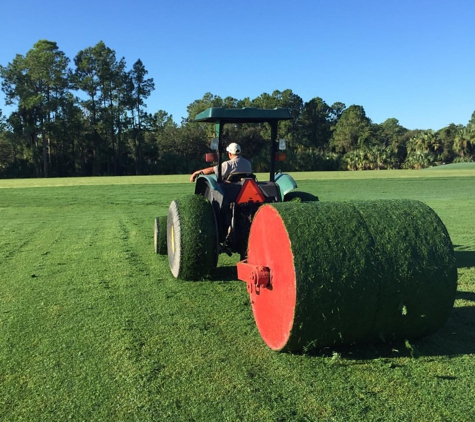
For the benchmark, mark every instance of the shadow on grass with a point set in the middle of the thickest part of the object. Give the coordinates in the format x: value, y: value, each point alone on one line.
x: 225, y: 273
x: 465, y: 259
x: 456, y: 337
x: 470, y: 296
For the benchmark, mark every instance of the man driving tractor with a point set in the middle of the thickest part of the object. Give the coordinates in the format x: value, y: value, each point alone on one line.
x: 235, y: 164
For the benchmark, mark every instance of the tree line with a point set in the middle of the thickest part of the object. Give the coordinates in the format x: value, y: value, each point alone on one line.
x: 89, y: 118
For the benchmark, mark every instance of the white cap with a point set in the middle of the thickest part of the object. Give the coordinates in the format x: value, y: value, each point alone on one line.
x: 234, y: 148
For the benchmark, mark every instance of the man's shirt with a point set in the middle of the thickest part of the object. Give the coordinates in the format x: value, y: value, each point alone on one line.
x: 236, y: 165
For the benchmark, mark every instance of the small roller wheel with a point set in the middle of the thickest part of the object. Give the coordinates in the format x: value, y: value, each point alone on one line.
x: 297, y: 196
x: 160, y: 235
x: 192, y: 238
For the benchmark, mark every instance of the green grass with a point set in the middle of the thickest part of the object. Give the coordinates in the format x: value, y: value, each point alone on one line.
x: 94, y: 328
x: 454, y: 166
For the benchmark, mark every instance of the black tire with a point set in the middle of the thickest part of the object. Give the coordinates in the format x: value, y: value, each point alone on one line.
x: 296, y: 196
x: 192, y: 238
x: 160, y: 235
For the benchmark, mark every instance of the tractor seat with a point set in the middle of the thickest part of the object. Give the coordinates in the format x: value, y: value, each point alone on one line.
x: 237, y: 177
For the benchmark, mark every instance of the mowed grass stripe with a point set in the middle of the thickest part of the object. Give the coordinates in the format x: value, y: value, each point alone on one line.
x: 75, y: 283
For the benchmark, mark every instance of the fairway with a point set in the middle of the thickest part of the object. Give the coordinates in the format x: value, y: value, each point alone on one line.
x: 93, y: 327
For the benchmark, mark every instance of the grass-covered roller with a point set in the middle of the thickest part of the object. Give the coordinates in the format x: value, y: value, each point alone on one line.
x: 321, y: 274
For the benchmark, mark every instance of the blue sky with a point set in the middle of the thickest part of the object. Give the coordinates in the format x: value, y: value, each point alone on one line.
x: 409, y: 59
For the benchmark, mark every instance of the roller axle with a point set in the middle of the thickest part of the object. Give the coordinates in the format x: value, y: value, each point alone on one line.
x: 255, y: 276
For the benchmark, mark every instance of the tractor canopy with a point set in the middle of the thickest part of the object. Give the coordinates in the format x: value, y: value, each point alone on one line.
x: 221, y: 116
x: 242, y: 115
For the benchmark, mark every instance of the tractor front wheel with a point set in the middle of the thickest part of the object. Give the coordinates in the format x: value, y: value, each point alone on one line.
x: 192, y: 238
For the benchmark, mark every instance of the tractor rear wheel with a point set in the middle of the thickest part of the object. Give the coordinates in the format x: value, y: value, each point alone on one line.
x: 297, y: 196
x: 160, y: 235
x: 192, y: 238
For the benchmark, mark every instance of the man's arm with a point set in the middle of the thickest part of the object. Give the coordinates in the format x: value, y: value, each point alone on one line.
x: 208, y: 170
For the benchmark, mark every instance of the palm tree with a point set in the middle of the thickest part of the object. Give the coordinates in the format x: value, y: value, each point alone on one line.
x: 463, y: 142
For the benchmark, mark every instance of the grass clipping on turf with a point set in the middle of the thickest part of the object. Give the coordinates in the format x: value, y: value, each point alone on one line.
x: 368, y: 271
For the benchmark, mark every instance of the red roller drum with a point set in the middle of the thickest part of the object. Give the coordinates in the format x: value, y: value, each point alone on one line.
x: 339, y: 273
